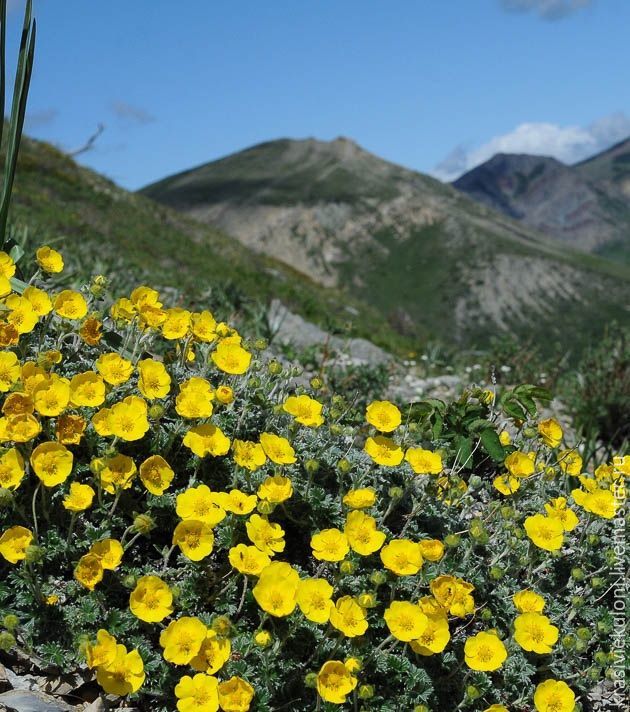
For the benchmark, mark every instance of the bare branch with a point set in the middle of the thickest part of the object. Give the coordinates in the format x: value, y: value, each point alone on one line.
x: 89, y: 144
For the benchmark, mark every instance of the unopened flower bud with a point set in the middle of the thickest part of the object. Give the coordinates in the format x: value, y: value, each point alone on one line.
x: 7, y: 641
x: 254, y: 382
x: 577, y: 573
x: 10, y: 622
x: 336, y: 429
x: 310, y: 680
x: 568, y: 642
x: 265, y: 507
x: 347, y: 567
x: 597, y: 582
x: 604, y: 627
x: 334, y: 413
x: 496, y: 573
x: 316, y: 383
x: 421, y: 708
x: 143, y: 523
x: 129, y: 581
x: 338, y: 401
x: 592, y: 539
x: 530, y: 432
x: 296, y: 371
x: 472, y: 692
x: 583, y: 633
x: 260, y: 344
x: 367, y: 600
x: 263, y: 639
x: 601, y: 658
x: 366, y: 692
x: 344, y: 466
x: 156, y: 411
x: 396, y: 492
x: 353, y: 664
x: 34, y: 554
x: 6, y: 497
x: 577, y: 601
x: 452, y: 540
x: 274, y: 367
x: 378, y: 578
x: 311, y: 466
x: 580, y: 646
x: 486, y: 614
x: 222, y: 626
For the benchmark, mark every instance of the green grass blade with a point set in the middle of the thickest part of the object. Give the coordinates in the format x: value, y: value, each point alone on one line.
x: 3, y: 34
x: 18, y: 112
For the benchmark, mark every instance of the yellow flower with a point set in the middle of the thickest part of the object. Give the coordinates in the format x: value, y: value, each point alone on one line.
x: 200, y: 503
x: 402, y: 556
x: 570, y: 462
x: 22, y: 315
x: 87, y: 389
x: 335, y: 682
x: 123, y: 310
x: 103, y: 652
x: 69, y: 429
x: 182, y: 640
x: 17, y: 403
x: 600, y: 502
x: 204, y: 326
x: 275, y: 489
x: 231, y: 357
x: 194, y: 399
x: 213, y: 654
x: 384, y: 451
x: 156, y: 474
x: 454, y: 595
x: 405, y: 620
x: 424, y: 462
x: 124, y: 676
x: 115, y: 369
x: 506, y: 484
x: 52, y: 463
x: 197, y: 694
x: 11, y: 469
x: 51, y: 397
x: 128, y: 419
x: 207, y: 439
x: 224, y: 394
x: 14, y: 543
x: 348, y: 616
x: 520, y: 464
x: 551, y: 432
x: 22, y: 428
x: 9, y: 335
x: 434, y: 637
x: 7, y: 265
x: 558, y: 508
x: 153, y: 379
x: 9, y: 370
x: 79, y: 498
x: 117, y: 473
x: 248, y: 454
x: 496, y: 708
x: 505, y: 438
x: 277, y: 449
x: 266, y: 536
x: 235, y: 695
x: 306, y: 411
x: 431, y: 549
x: 383, y: 415
x: 545, y: 532
x: 90, y: 331
x: 70, y: 305
x: 330, y: 545
x: 89, y: 571
x: 40, y: 301
x: 176, y: 324
x: 194, y: 538
x: 363, y: 536
x: 276, y: 589
x: 263, y: 638
x: 151, y: 600
x: 248, y: 560
x: 236, y: 501
x: 49, y: 260
x: 360, y: 498
x: 109, y: 552
x: 484, y: 652
x: 314, y: 599
x: 534, y: 633
x: 554, y: 696
x: 527, y: 601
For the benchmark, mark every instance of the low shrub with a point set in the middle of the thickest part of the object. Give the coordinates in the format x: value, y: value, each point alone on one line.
x: 182, y: 521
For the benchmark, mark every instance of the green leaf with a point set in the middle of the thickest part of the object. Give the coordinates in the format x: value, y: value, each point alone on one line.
x: 492, y: 445
x: 464, y: 452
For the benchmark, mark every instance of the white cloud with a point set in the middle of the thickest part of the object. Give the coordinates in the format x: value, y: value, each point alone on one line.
x: 568, y: 144
x: 547, y: 9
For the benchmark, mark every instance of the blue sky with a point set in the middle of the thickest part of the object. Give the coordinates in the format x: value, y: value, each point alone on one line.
x: 436, y: 85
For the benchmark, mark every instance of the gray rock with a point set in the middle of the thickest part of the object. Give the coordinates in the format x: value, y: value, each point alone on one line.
x: 31, y: 701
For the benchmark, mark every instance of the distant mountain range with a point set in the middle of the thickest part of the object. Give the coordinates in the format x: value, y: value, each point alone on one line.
x: 586, y: 206
x: 432, y: 261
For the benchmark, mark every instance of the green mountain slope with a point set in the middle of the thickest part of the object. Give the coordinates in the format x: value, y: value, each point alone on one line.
x: 102, y: 224
x: 432, y: 261
x: 586, y: 206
